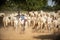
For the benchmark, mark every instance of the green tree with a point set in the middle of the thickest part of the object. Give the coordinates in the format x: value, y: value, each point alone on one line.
x: 28, y: 5
x: 36, y: 4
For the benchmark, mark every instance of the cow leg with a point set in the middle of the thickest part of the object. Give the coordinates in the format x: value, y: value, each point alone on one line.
x: 4, y: 24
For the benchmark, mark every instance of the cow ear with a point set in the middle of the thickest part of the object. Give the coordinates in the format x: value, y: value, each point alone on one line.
x: 9, y: 17
x: 2, y: 15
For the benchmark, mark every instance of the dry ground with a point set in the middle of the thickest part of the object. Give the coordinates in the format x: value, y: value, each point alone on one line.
x: 9, y: 33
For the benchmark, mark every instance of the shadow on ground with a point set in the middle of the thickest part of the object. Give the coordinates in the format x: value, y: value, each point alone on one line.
x: 1, y: 22
x: 55, y: 36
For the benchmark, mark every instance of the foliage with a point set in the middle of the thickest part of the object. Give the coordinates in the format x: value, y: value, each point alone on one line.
x: 23, y: 4
x: 27, y: 5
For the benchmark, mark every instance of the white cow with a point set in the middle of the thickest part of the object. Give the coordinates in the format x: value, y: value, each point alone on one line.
x: 15, y: 23
x: 29, y: 20
x: 2, y: 14
x: 31, y: 13
x: 6, y: 21
x: 55, y: 23
x: 49, y: 21
x: 36, y: 13
x: 12, y: 19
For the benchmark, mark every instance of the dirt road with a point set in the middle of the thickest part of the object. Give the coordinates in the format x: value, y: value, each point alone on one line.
x: 10, y: 34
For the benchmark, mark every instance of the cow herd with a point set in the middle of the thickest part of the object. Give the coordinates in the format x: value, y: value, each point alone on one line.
x: 36, y: 20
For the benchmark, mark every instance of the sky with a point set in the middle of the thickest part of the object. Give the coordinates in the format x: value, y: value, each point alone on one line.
x: 50, y: 3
